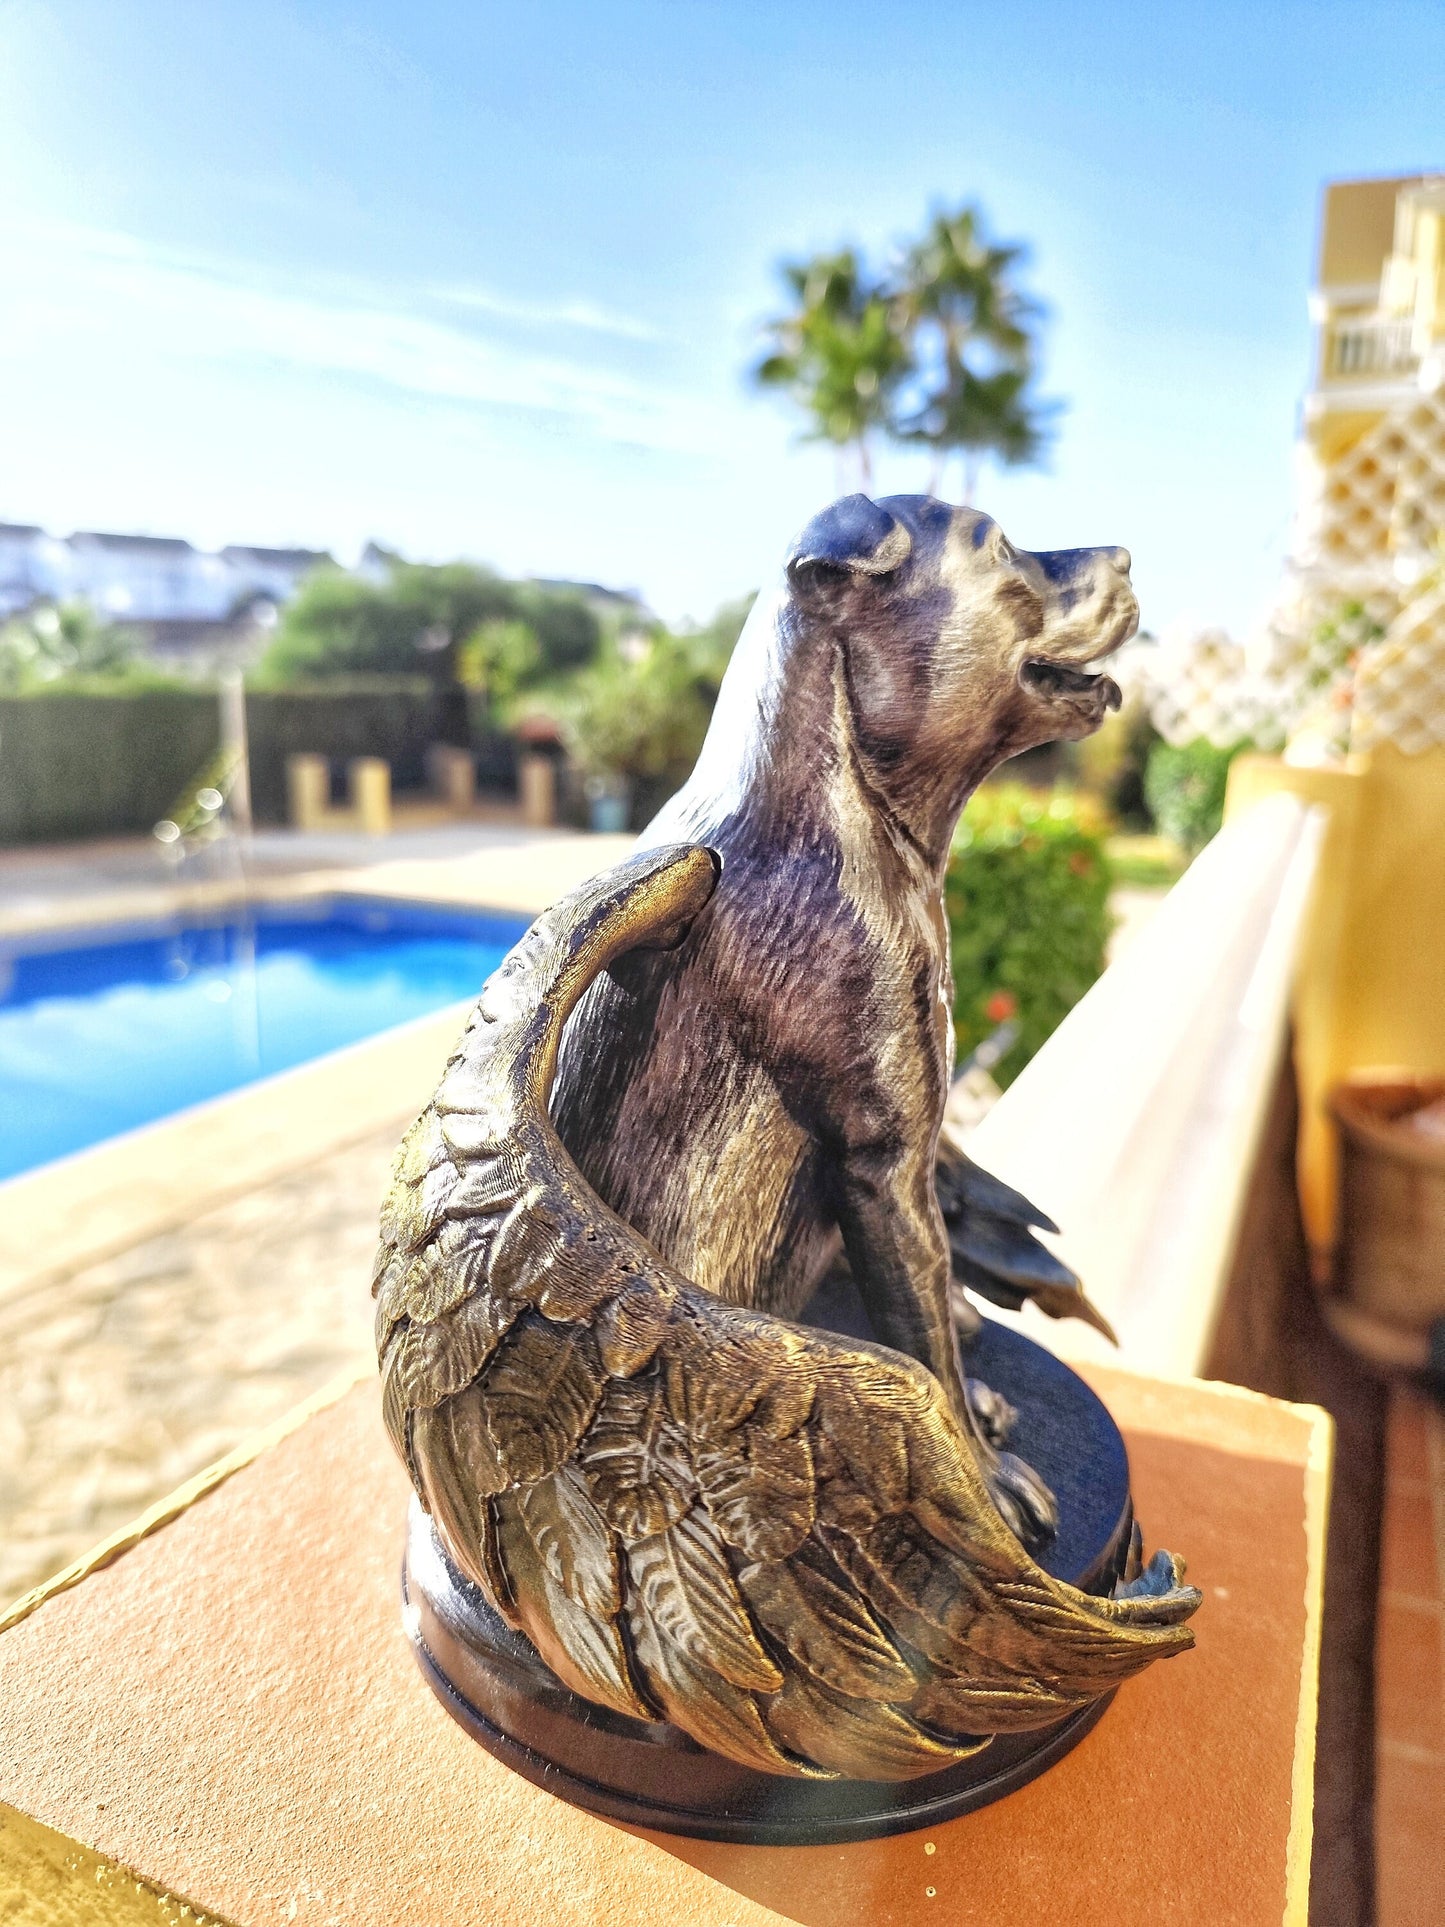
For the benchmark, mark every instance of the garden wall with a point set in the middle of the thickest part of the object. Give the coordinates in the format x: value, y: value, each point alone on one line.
x: 109, y: 765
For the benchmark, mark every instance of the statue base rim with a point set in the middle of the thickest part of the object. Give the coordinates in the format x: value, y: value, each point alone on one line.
x: 493, y: 1684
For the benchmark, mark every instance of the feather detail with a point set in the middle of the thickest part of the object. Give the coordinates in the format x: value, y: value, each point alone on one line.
x: 636, y: 1462
x: 685, y: 1587
x: 759, y: 1490
x: 819, y: 1620
x: 995, y: 1253
x: 859, y: 1738
x: 572, y: 1540
x: 584, y: 1649
x: 539, y: 1395
x: 699, y: 1700
x: 445, y: 1444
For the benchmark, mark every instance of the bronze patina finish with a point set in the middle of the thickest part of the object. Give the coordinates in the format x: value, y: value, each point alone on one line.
x: 795, y: 1547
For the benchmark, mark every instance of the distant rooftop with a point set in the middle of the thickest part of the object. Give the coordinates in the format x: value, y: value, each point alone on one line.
x: 144, y: 544
x: 593, y: 591
x: 280, y: 558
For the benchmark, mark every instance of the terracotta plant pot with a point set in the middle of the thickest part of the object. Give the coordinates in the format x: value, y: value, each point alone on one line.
x: 1391, y: 1256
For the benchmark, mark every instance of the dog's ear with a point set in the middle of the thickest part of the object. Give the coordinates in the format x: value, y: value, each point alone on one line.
x: 852, y: 539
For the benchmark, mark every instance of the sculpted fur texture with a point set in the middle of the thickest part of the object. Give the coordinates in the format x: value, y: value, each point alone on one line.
x: 794, y: 1546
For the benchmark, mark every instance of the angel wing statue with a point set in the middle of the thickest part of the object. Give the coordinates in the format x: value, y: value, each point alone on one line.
x: 777, y: 1539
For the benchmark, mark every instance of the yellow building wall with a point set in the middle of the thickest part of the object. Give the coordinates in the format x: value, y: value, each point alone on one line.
x: 1370, y: 983
x: 1357, y: 229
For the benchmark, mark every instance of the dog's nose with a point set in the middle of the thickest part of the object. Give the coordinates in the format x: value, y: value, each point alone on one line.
x: 1121, y: 559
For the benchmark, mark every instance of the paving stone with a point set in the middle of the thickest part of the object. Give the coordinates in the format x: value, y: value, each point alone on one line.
x: 128, y: 1377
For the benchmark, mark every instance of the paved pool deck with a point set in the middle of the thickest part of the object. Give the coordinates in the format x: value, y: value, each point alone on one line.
x: 496, y: 862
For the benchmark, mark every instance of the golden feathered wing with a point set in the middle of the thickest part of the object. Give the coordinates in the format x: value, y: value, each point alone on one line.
x: 775, y: 1538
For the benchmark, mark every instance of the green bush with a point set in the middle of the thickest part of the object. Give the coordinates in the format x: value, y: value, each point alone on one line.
x: 1184, y: 787
x: 641, y: 716
x: 1110, y: 764
x: 416, y: 620
x: 637, y: 718
x: 1027, y: 895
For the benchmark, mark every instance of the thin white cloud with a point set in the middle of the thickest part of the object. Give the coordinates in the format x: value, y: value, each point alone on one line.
x: 586, y: 316
x: 108, y: 295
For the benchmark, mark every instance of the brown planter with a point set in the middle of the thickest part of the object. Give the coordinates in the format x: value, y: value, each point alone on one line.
x: 1391, y: 1258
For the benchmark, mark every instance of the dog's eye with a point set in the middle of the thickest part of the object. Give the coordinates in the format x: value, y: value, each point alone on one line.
x: 1000, y: 549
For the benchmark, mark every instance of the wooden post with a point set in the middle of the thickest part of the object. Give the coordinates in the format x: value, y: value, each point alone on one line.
x: 369, y: 786
x: 308, y: 791
x: 453, y: 776
x: 537, y: 784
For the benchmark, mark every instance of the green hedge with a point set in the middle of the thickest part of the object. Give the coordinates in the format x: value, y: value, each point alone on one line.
x: 75, y: 765
x: 1027, y: 894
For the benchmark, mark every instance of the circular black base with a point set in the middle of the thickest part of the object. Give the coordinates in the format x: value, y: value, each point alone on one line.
x: 650, y: 1774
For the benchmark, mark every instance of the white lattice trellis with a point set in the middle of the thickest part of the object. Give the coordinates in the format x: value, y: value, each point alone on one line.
x: 1400, y: 684
x: 1369, y: 551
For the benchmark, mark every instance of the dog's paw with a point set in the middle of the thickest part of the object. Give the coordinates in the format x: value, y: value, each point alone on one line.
x: 1028, y: 1507
x: 992, y: 1413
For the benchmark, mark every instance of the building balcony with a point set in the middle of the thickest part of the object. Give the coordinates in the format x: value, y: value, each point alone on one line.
x: 1367, y: 348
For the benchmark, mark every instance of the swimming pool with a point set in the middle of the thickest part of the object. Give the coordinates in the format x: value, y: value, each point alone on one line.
x: 101, y: 1033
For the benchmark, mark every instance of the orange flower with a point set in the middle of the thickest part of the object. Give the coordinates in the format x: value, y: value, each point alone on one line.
x: 1000, y: 1007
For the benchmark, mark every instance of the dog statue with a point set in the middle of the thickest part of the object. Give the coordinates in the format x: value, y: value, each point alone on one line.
x: 773, y: 1090
x: 694, y: 1507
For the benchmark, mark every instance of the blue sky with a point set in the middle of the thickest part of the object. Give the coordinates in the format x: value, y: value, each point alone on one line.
x: 483, y: 280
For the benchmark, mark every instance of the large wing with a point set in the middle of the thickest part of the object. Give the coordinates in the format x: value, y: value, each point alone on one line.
x: 775, y: 1538
x: 992, y: 1244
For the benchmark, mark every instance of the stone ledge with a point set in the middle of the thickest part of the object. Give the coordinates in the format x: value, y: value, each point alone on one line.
x: 230, y: 1712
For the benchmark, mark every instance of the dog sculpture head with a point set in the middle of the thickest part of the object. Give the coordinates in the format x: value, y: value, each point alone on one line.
x: 957, y: 649
x: 915, y: 643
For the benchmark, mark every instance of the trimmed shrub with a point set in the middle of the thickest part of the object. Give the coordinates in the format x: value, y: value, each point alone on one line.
x: 88, y: 765
x: 1027, y: 895
x: 1185, y: 786
x: 78, y: 765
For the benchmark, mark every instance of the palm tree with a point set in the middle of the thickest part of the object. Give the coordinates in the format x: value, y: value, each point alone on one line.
x: 971, y: 334
x: 842, y: 352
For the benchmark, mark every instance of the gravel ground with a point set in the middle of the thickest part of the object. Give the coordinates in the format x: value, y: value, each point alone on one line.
x: 132, y: 1375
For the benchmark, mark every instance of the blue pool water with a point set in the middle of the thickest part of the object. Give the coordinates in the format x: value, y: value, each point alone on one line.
x: 109, y: 1033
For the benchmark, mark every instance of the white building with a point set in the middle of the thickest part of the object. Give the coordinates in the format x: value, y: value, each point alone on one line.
x: 193, y: 609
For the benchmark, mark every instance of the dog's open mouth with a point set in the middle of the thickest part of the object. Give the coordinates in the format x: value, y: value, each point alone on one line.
x: 1069, y: 683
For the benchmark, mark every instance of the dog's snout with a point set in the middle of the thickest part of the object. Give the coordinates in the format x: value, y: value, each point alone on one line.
x: 1121, y: 560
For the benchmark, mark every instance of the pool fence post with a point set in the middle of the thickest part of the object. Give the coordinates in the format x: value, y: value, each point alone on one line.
x: 232, y: 693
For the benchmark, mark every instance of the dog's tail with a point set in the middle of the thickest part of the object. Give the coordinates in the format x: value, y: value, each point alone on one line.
x: 776, y: 1538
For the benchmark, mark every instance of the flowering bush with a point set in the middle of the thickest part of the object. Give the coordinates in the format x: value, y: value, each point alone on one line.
x: 1027, y: 895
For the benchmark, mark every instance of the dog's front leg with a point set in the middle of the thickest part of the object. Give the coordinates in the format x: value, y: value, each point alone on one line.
x: 897, y: 1247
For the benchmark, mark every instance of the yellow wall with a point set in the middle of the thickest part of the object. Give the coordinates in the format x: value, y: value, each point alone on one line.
x: 1357, y: 229
x: 1370, y: 987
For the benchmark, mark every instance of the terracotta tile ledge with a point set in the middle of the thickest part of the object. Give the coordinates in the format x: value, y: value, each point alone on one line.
x: 230, y: 1713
